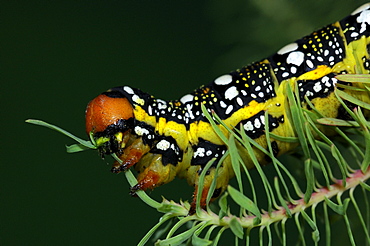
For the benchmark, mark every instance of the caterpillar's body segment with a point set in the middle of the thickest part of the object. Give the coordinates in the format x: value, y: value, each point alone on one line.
x: 164, y: 139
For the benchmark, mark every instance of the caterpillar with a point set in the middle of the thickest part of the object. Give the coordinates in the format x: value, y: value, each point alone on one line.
x: 164, y: 139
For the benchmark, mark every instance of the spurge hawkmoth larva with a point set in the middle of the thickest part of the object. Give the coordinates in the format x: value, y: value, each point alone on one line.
x: 164, y: 139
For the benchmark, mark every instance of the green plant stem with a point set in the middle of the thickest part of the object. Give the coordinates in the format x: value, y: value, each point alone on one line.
x: 318, y: 196
x: 278, y: 215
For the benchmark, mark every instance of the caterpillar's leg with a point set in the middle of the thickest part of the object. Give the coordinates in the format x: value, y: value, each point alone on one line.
x: 131, y: 155
x: 222, y: 181
x: 152, y: 173
x: 203, y: 153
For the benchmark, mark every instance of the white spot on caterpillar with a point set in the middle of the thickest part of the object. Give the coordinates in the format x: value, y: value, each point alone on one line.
x: 209, y: 153
x: 296, y: 58
x: 325, y: 80
x: 257, y: 123
x: 224, y: 80
x: 140, y: 131
x: 161, y: 104
x: 229, y: 109
x: 138, y: 100
x: 309, y: 93
x: 317, y: 87
x: 231, y: 92
x: 187, y: 98
x: 353, y: 35
x: 128, y: 90
x: 223, y: 104
x: 363, y: 18
x: 263, y: 119
x: 293, y: 70
x: 199, y: 152
x: 189, y: 108
x: 288, y: 48
x: 163, y: 145
x: 239, y: 101
x: 285, y: 74
x: 363, y: 27
x: 160, y: 101
x: 309, y: 64
x: 334, y: 81
x: 248, y: 126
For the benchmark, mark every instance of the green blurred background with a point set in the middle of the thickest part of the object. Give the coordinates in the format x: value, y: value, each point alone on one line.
x: 57, y: 55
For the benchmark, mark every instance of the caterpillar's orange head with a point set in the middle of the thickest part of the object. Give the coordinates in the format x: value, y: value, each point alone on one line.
x: 108, y: 120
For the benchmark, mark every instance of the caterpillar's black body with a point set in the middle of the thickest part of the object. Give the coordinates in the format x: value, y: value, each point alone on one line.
x: 164, y: 139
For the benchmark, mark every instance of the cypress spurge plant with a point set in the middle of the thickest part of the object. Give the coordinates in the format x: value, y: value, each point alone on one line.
x: 299, y: 199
